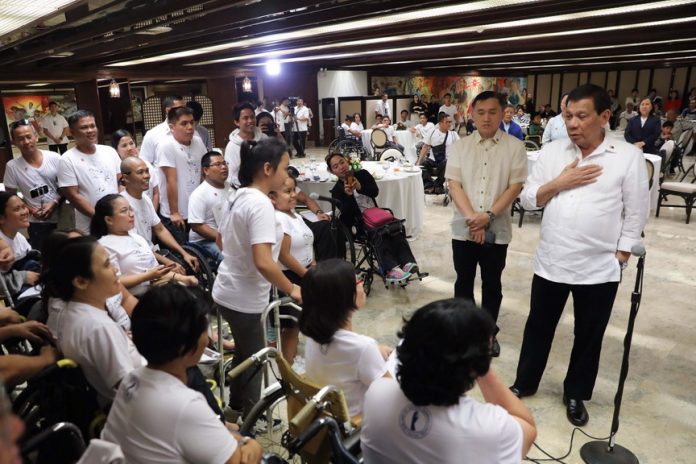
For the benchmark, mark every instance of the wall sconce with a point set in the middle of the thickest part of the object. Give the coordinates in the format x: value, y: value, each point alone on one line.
x: 114, y: 89
x: 246, y: 85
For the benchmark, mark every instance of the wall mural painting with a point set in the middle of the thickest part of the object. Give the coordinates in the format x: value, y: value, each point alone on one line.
x: 34, y: 107
x: 462, y: 88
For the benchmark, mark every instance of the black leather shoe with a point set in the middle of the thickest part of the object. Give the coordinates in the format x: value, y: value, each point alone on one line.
x: 495, y: 348
x: 521, y: 393
x: 575, y: 411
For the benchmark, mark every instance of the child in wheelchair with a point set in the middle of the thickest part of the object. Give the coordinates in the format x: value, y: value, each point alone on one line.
x: 376, y: 227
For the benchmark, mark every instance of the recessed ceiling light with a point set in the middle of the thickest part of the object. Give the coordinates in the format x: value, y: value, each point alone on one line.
x: 39, y: 84
x: 61, y: 55
x: 15, y: 14
x: 155, y: 30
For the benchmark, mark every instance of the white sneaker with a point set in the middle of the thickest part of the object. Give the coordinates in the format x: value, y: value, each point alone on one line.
x: 262, y: 424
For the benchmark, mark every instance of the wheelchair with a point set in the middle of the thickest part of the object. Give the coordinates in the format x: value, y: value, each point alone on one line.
x: 59, y: 393
x: 205, y: 274
x: 304, y: 402
x: 347, y: 145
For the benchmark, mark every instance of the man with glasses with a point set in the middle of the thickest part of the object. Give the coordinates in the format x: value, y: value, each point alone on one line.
x: 55, y: 128
x: 88, y: 171
x: 35, y: 175
x: 440, y: 140
x: 205, y: 205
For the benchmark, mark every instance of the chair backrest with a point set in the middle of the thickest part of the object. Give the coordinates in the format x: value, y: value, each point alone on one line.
x: 378, y: 138
x: 531, y: 145
x: 684, y: 137
x: 534, y: 138
x: 651, y: 171
x: 392, y: 154
x: 623, y: 122
x: 318, y: 450
x: 689, y: 146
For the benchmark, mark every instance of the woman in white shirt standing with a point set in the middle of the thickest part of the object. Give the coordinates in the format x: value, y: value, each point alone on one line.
x: 250, y: 240
x: 334, y: 354
x: 113, y: 224
x: 296, y: 256
x: 124, y: 144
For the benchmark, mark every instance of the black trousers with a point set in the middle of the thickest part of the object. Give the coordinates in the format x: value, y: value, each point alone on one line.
x: 491, y: 259
x: 299, y: 140
x: 324, y: 242
x: 429, y: 167
x: 59, y: 148
x: 392, y: 250
x: 592, y: 306
x: 287, y: 133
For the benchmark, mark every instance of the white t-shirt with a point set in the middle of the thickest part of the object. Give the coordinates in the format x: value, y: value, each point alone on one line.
x: 145, y: 215
x: 55, y: 125
x: 395, y: 431
x: 301, y: 238
x: 384, y: 108
x: 248, y: 219
x: 205, y: 207
x: 153, y: 137
x: 154, y: 178
x: 232, y: 153
x: 130, y: 255
x: 437, y: 137
x: 113, y: 306
x: 104, y: 352
x: 451, y: 110
x: 23, y: 177
x: 302, y: 112
x: 95, y: 176
x: 351, y: 362
x: 19, y: 244
x: 423, y: 131
x: 155, y: 418
x: 187, y: 162
x: 356, y: 126
x: 389, y: 130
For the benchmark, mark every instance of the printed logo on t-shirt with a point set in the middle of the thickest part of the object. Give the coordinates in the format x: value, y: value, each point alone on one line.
x: 415, y: 421
x: 131, y: 387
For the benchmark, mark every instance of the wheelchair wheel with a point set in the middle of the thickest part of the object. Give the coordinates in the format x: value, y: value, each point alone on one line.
x: 368, y: 277
x: 332, y: 146
x: 272, y: 440
x: 205, y: 275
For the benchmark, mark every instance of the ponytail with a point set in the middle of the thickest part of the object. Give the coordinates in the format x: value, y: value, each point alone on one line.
x: 254, y: 156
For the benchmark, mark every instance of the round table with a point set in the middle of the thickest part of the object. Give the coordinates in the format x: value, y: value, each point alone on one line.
x: 400, y: 191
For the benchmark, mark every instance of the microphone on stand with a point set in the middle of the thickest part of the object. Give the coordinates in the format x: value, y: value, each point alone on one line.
x: 316, y: 196
x: 599, y: 452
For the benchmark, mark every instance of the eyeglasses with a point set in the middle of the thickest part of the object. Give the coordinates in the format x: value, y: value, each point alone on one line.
x: 218, y: 164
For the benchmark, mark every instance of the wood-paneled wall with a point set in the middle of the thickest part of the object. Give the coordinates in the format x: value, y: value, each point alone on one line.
x: 548, y: 88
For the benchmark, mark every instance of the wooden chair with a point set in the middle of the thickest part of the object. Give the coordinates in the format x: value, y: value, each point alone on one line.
x: 683, y: 189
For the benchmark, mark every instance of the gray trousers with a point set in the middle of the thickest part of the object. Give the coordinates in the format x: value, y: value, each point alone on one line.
x: 245, y: 390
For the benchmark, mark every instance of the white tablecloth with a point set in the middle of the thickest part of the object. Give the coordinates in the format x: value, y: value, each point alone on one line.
x: 403, y: 137
x: 532, y: 156
x: 401, y: 191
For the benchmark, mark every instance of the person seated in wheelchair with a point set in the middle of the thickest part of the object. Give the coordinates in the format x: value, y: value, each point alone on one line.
x: 356, y: 127
x: 404, y: 122
x: 205, y: 206
x: 445, y: 348
x: 434, y: 153
x: 421, y: 130
x: 23, y: 272
x: 356, y: 191
x: 295, y: 258
x: 155, y: 417
x: 392, y: 141
x: 13, y: 430
x: 345, y: 125
x: 136, y: 177
x: 379, y: 122
x: 334, y: 353
x: 129, y: 253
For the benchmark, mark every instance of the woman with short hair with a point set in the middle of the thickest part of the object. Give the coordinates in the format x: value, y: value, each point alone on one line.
x: 155, y: 416
x: 334, y: 353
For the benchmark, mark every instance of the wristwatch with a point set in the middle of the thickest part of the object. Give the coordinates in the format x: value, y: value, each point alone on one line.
x: 491, y: 216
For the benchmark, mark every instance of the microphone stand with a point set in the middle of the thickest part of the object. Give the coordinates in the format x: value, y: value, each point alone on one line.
x: 598, y: 452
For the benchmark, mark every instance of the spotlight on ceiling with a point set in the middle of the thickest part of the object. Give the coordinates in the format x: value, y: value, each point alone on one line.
x: 273, y: 67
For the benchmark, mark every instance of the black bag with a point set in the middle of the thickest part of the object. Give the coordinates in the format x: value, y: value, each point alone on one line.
x: 440, y: 151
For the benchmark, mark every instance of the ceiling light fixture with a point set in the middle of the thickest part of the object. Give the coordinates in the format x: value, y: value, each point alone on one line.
x: 596, y: 63
x: 15, y: 14
x: 114, y: 89
x: 273, y: 67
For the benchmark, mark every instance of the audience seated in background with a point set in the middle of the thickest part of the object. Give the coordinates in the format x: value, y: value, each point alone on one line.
x: 510, y: 126
x: 392, y: 141
x: 345, y: 125
x: 424, y: 414
x: 520, y: 117
x: 334, y: 353
x: 434, y: 153
x: 155, y: 417
x: 535, y: 128
x: 378, y: 122
x: 643, y: 131
x: 404, y: 122
x: 673, y: 101
x: 690, y: 111
x: 356, y: 127
x: 629, y: 112
x: 130, y: 255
